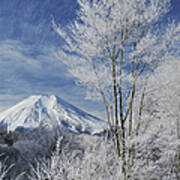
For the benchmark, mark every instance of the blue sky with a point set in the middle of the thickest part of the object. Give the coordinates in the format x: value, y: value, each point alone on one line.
x: 28, y: 43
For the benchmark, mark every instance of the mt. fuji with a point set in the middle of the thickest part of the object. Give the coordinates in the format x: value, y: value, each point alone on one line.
x: 50, y: 111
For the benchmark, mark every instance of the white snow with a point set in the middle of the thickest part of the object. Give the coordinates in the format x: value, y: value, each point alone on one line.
x: 50, y: 110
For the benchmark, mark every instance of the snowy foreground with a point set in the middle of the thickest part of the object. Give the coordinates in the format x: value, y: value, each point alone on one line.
x: 59, y: 156
x: 54, y: 140
x: 49, y: 139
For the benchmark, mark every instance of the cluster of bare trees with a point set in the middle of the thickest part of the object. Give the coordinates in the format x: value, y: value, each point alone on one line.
x: 113, y: 47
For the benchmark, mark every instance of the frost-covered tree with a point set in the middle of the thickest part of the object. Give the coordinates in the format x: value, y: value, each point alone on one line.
x: 112, y: 47
x: 162, y: 107
x: 93, y: 158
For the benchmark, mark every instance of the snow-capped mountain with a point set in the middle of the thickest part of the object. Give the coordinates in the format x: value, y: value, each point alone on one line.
x: 50, y: 110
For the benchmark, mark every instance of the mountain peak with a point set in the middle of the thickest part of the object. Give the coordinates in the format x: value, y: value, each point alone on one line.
x: 50, y: 111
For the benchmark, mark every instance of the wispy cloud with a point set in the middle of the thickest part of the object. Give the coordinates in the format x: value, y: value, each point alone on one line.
x: 27, y: 47
x: 27, y: 70
x: 22, y: 71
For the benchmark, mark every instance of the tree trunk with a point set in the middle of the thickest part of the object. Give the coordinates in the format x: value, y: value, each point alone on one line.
x: 122, y: 128
x: 115, y: 108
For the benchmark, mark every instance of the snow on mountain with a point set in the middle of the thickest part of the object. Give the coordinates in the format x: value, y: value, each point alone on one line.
x: 50, y: 110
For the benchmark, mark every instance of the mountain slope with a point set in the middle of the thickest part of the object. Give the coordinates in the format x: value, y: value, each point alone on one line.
x: 50, y: 111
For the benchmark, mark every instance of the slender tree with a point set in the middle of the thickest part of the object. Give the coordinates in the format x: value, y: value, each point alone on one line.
x: 112, y: 47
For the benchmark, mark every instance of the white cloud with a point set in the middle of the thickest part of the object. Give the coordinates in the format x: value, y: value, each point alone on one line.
x: 27, y: 70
